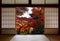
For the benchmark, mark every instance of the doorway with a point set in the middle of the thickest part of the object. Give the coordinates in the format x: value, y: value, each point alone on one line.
x: 29, y: 20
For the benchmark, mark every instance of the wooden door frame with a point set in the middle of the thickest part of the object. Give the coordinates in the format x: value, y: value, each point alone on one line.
x: 0, y: 18
x: 28, y: 5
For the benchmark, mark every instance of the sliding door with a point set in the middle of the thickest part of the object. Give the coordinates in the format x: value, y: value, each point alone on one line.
x: 8, y: 20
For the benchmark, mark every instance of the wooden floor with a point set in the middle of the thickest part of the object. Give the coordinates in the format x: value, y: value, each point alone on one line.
x: 54, y: 37
x: 9, y: 37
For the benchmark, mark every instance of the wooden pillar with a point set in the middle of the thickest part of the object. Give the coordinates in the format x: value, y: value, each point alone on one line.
x: 29, y: 2
x: 0, y: 17
x: 59, y: 21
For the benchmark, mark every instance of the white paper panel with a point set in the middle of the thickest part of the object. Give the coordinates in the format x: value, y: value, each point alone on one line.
x: 7, y: 1
x: 51, y: 1
x: 51, y: 17
x: 22, y: 1
x: 37, y: 1
x: 8, y: 17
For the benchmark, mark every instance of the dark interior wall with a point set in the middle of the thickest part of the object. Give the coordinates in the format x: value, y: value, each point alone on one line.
x: 0, y: 22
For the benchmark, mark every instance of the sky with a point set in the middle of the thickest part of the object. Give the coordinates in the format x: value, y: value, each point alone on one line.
x: 26, y: 13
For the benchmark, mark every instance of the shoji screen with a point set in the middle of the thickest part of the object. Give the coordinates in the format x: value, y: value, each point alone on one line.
x: 8, y: 17
x: 51, y: 1
x: 22, y: 1
x: 37, y: 1
x: 27, y: 1
x: 15, y: 1
x: 44, y: 1
x: 7, y: 1
x: 51, y: 17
